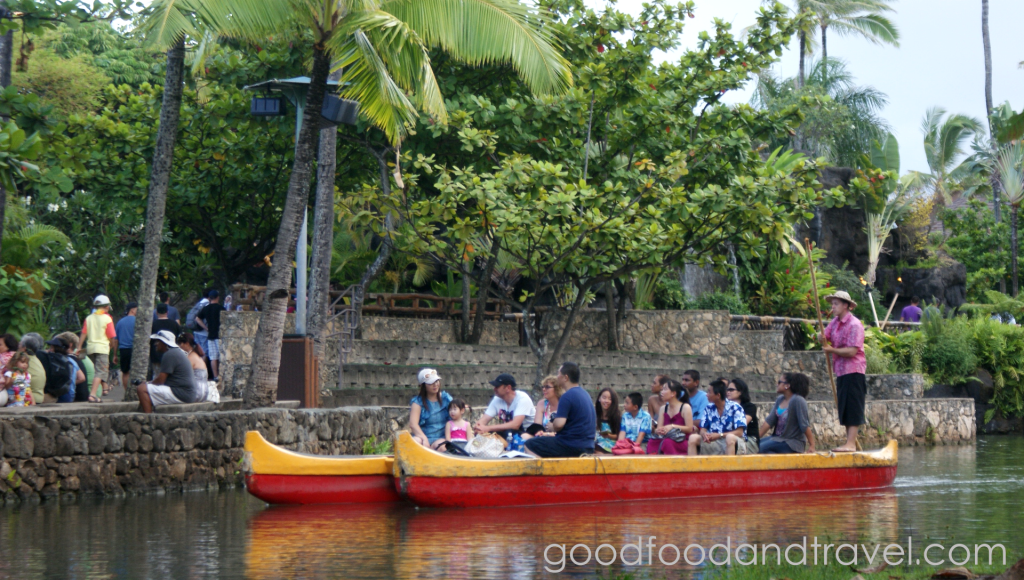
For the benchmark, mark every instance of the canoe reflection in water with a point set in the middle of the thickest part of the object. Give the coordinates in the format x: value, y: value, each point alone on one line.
x: 399, y: 541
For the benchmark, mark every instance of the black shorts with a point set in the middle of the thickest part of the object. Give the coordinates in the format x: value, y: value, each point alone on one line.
x: 125, y: 354
x: 553, y: 447
x: 850, y: 391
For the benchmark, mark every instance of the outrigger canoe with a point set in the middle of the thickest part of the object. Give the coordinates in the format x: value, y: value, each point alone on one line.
x: 432, y: 479
x: 280, y: 476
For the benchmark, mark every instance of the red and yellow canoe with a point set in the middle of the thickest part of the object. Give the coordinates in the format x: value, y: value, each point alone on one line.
x: 433, y: 479
x: 281, y: 476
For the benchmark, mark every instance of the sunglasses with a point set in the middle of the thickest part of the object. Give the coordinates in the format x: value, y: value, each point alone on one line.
x: 546, y: 387
x: 783, y: 383
x: 731, y: 390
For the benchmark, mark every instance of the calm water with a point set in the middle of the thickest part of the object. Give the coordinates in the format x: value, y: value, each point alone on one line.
x: 947, y: 494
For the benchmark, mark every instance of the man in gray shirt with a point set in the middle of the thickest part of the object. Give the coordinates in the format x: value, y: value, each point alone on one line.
x: 176, y: 382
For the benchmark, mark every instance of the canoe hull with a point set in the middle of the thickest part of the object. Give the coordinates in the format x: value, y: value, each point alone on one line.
x: 313, y: 489
x: 564, y: 489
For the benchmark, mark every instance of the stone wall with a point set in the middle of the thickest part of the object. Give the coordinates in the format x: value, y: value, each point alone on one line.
x: 127, y: 453
x: 911, y: 422
x: 885, y: 387
x: 496, y: 332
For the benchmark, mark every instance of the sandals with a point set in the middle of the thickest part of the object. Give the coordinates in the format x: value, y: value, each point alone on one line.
x: 93, y: 399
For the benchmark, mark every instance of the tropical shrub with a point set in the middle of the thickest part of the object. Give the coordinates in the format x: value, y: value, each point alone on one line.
x: 785, y: 286
x: 842, y: 278
x: 719, y: 301
x: 1000, y: 350
x: 669, y: 294
x: 948, y: 353
x: 21, y: 301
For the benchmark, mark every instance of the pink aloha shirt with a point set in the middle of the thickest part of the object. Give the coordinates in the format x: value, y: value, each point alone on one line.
x: 843, y: 334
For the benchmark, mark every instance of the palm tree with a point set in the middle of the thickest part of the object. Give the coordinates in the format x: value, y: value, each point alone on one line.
x: 1010, y: 166
x: 943, y: 145
x: 382, y: 47
x: 854, y: 17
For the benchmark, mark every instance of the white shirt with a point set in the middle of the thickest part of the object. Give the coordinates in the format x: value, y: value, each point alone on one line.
x: 521, y: 406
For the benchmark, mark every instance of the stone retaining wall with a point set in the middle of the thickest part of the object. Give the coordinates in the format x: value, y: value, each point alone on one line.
x: 127, y: 453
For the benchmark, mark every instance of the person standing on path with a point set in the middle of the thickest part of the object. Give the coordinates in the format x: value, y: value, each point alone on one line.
x: 198, y: 333
x: 911, y: 313
x: 845, y: 335
x: 209, y: 320
x: 172, y: 312
x: 125, y: 330
x: 98, y: 339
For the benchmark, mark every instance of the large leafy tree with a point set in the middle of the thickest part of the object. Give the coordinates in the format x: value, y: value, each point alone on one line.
x: 638, y: 168
x: 382, y: 48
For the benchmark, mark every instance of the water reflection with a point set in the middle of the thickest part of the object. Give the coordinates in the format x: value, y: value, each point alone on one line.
x: 966, y: 494
x: 403, y: 542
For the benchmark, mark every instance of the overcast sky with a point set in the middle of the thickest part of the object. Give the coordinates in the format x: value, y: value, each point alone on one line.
x: 939, y: 62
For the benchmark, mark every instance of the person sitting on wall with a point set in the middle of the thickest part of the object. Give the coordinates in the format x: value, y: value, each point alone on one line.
x: 176, y: 382
x: 574, y: 423
x: 789, y: 419
x: 722, y: 431
x: 428, y: 411
x: 513, y: 409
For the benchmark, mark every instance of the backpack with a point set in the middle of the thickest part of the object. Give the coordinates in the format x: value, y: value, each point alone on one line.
x: 190, y: 318
x: 58, y: 373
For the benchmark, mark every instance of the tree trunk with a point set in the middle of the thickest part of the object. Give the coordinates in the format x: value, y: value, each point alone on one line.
x: 266, y: 356
x: 623, y: 295
x: 323, y: 237
x: 467, y: 300
x: 609, y: 309
x: 160, y: 176
x: 481, y: 296
x: 988, y: 64
x: 6, y: 57
x: 803, y: 50
x: 824, y: 46
x: 1013, y: 245
x: 567, y: 330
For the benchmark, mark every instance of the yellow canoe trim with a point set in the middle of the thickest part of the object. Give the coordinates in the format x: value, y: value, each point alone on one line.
x: 269, y: 459
x: 412, y: 459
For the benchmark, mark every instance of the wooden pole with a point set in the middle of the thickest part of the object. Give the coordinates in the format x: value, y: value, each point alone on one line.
x: 871, y: 299
x: 821, y: 325
x: 886, y: 321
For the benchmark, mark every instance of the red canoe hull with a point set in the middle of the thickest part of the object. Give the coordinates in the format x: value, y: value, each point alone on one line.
x: 563, y: 489
x: 310, y: 489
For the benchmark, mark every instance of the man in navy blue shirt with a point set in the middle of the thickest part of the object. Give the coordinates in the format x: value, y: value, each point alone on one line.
x: 574, y: 423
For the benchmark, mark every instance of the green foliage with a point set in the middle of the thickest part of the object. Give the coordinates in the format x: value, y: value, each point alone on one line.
x: 842, y: 278
x: 840, y: 119
x: 646, y: 284
x: 1000, y: 350
x: 30, y: 247
x: 719, y: 301
x: 119, y: 57
x: 785, y: 286
x: 373, y: 447
x: 72, y: 85
x: 16, y: 150
x: 895, y: 352
x: 669, y: 294
x: 20, y: 300
x: 948, y: 355
x: 979, y: 243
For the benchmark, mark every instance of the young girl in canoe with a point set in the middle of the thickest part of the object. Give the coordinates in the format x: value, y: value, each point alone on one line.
x: 458, y: 429
x: 609, y: 420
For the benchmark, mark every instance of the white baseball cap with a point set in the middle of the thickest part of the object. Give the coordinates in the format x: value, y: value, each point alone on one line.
x: 165, y: 337
x: 101, y: 300
x: 428, y: 376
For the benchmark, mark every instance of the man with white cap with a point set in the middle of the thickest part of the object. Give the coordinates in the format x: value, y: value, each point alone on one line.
x: 845, y: 336
x: 99, y: 338
x: 176, y: 383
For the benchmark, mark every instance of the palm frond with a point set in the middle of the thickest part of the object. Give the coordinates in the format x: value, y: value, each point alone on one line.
x: 1010, y: 164
x: 874, y: 27
x: 490, y: 31
x: 167, y: 22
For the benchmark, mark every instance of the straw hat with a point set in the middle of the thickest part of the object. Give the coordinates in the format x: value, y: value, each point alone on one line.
x: 841, y: 295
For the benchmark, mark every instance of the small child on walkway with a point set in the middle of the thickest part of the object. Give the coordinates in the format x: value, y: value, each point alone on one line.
x: 457, y: 430
x: 16, y: 381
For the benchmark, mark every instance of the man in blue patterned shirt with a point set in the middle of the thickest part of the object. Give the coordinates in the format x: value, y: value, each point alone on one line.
x: 723, y: 427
